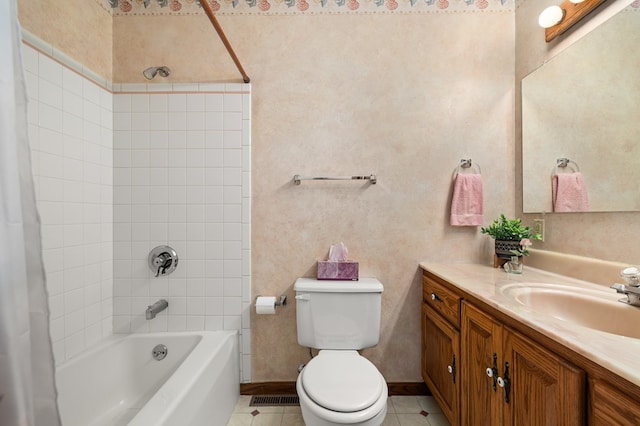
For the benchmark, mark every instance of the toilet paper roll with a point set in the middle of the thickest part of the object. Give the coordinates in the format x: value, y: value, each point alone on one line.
x: 266, y: 305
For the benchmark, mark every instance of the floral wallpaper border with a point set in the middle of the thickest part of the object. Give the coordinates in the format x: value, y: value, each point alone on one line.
x: 222, y: 7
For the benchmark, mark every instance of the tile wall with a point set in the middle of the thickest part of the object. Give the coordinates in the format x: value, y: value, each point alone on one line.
x: 70, y: 130
x: 122, y: 168
x: 182, y: 178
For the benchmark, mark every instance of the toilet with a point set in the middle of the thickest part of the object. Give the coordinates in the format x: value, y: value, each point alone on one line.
x: 339, y: 386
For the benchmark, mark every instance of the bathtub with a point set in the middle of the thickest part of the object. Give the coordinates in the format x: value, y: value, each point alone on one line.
x: 119, y: 382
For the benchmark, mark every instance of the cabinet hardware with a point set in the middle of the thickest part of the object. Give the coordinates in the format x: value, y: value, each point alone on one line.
x: 493, y: 372
x: 505, y: 383
x: 452, y: 369
x: 434, y: 296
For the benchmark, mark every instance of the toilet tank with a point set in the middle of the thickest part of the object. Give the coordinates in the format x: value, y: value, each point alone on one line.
x: 338, y: 314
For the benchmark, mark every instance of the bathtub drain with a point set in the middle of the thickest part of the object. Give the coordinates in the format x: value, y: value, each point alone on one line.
x: 159, y: 352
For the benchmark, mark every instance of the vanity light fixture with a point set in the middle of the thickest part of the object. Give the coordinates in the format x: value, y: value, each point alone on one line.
x: 558, y: 19
x: 551, y: 16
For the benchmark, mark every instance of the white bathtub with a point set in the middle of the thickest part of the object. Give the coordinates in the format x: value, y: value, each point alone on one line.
x: 120, y: 383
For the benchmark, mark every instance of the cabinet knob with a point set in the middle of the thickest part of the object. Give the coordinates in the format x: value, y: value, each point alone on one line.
x: 489, y: 371
x: 450, y: 369
x: 435, y: 297
x: 500, y: 382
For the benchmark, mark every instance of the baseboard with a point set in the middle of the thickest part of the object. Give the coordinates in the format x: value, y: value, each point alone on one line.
x: 268, y: 388
x: 408, y: 388
x: 289, y: 388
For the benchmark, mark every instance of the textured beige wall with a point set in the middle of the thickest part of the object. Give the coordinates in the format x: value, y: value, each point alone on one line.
x: 80, y: 29
x: 405, y: 97
x: 600, y: 235
x: 188, y: 45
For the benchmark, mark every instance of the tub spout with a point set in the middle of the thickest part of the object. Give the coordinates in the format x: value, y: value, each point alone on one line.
x: 156, y: 308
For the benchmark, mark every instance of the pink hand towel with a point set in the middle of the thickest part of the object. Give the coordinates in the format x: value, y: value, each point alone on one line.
x: 569, y: 193
x: 466, y: 203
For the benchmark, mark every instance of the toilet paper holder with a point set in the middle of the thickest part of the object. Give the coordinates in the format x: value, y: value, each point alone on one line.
x: 281, y: 302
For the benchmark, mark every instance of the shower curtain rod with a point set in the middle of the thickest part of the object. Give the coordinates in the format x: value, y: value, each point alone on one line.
x: 207, y: 8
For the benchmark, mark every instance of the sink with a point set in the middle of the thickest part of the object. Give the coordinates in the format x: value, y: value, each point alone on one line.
x: 596, y: 309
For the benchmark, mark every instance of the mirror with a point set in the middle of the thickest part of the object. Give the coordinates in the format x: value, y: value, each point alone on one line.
x: 584, y: 105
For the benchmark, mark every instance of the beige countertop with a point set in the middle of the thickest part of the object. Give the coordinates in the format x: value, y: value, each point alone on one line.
x: 618, y: 354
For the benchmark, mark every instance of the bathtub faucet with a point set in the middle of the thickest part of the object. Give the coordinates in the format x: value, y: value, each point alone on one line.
x: 156, y: 308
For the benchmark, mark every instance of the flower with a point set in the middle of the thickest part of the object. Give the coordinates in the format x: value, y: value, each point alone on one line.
x: 525, y: 243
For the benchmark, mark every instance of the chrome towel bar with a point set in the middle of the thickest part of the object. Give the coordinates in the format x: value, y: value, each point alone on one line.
x: 298, y: 178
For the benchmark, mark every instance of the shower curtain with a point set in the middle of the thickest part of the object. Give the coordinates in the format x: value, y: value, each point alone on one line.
x: 27, y: 389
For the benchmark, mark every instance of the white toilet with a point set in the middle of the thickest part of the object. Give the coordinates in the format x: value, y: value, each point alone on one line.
x: 339, y: 386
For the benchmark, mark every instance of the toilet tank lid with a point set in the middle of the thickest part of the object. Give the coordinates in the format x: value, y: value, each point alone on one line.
x: 364, y: 285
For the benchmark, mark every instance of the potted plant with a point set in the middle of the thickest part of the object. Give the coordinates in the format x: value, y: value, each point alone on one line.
x: 511, y: 237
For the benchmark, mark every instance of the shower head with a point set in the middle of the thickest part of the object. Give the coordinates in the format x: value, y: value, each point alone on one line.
x: 151, y: 72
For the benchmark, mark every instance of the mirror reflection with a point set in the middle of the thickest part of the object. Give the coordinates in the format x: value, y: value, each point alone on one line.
x: 583, y: 107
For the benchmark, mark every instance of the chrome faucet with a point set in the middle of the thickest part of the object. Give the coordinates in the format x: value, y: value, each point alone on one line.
x: 631, y: 289
x: 156, y: 308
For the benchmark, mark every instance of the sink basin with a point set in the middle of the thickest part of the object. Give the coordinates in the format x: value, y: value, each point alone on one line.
x: 596, y: 309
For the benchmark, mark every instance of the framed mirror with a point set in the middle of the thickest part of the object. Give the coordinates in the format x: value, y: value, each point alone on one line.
x: 584, y: 105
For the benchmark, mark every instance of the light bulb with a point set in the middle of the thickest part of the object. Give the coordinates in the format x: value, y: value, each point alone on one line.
x: 550, y: 16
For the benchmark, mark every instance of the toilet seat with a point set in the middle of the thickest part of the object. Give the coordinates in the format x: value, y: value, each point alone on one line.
x: 342, y: 381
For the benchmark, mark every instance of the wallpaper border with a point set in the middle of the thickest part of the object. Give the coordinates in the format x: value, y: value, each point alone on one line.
x: 302, y: 7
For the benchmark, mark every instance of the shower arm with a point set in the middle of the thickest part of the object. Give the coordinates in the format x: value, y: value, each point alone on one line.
x: 207, y: 8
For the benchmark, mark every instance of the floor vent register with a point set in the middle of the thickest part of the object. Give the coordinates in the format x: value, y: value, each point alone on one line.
x: 273, y: 400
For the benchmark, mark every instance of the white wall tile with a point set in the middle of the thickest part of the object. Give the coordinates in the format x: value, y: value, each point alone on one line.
x: 214, y: 102
x: 177, y: 102
x: 71, y: 142
x: 49, y: 69
x: 232, y: 139
x: 159, y: 103
x: 139, y: 103
x: 50, y: 93
x: 176, y: 186
x: 30, y: 59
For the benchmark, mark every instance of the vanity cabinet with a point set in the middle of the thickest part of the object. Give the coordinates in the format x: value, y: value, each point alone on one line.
x: 483, y: 371
x: 441, y: 346
x: 509, y: 379
x: 547, y: 382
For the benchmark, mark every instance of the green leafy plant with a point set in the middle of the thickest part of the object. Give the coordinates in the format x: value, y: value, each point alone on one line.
x: 509, y: 230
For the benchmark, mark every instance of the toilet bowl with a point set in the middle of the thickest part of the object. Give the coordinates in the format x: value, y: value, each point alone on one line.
x: 340, y: 387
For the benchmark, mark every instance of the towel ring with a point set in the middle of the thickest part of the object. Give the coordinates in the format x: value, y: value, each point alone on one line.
x: 466, y: 164
x: 564, y: 163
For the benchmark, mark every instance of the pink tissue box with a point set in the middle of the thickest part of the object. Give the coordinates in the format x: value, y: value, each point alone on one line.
x: 329, y: 270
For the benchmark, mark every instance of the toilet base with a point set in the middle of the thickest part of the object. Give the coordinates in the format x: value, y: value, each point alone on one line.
x: 315, y: 415
x: 310, y: 419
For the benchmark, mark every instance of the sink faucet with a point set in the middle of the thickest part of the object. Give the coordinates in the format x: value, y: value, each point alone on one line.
x: 632, y: 293
x: 631, y: 289
x: 156, y: 308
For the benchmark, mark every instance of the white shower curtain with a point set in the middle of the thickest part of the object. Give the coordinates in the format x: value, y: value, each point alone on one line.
x: 27, y: 390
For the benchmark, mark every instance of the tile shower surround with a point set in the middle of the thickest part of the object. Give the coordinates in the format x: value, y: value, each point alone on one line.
x: 71, y: 137
x: 119, y: 172
x: 181, y: 177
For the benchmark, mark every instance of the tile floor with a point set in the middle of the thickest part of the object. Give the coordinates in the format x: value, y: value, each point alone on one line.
x: 401, y: 411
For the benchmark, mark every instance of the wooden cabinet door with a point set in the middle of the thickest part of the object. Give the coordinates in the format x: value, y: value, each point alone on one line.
x: 440, y: 359
x: 481, y: 338
x: 544, y: 389
x: 610, y: 406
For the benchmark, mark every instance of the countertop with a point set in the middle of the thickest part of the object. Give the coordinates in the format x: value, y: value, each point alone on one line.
x: 616, y: 353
